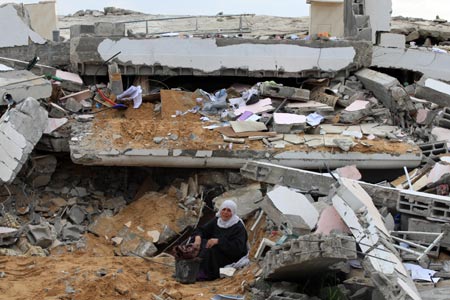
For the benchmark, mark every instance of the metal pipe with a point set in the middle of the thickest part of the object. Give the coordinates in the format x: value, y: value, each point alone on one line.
x: 416, y: 232
x: 409, y: 242
x: 407, y: 250
x: 407, y: 178
x: 433, y: 244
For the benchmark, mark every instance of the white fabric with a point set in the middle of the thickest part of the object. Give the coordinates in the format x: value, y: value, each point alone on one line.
x: 133, y: 92
x: 234, y: 218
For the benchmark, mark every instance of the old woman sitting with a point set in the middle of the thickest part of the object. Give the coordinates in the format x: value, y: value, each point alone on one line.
x: 222, y: 241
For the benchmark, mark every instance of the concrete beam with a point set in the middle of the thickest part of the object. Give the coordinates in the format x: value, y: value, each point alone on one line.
x: 220, y: 57
x: 387, y: 89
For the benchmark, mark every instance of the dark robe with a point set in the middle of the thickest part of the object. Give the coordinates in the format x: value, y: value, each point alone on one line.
x: 231, y: 247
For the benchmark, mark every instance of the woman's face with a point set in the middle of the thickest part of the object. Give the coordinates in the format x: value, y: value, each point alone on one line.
x: 225, y: 214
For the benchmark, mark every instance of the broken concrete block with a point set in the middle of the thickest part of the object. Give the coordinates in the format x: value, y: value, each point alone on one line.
x: 73, y: 105
x: 114, y: 204
x: 426, y: 116
x: 444, y: 118
x: 70, y: 81
x: 41, y: 170
x: 166, y: 235
x: 286, y: 123
x: 291, y: 208
x: 8, y: 235
x: 392, y: 40
x: 246, y: 198
x: 134, y: 245
x: 72, y: 232
x: 438, y: 171
x: 109, y: 29
x: 20, y: 130
x: 312, y: 254
x: 271, y: 89
x: 330, y: 222
x: 415, y: 35
x: 433, y: 150
x: 433, y: 90
x: 77, y: 214
x: 441, y: 134
x: 350, y: 172
x: 324, y: 95
x: 41, y: 235
x: 420, y: 225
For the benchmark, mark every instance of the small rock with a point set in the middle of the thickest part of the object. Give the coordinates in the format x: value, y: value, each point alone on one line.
x: 102, y: 272
x: 158, y: 140
x: 173, y: 137
x: 73, y: 105
x: 148, y: 276
x: 3, y: 274
x: 70, y: 290
x: 121, y: 289
x: 117, y: 240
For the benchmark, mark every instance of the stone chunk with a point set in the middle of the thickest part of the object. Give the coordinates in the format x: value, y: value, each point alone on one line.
x: 72, y: 232
x: 77, y: 215
x: 41, y: 235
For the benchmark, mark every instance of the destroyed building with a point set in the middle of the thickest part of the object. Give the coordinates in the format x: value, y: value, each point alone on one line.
x: 122, y: 132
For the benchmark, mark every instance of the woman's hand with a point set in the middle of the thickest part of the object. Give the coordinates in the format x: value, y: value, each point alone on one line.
x: 197, y: 241
x: 211, y: 243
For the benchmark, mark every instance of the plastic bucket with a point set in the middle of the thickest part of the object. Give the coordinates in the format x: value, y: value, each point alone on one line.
x: 186, y: 270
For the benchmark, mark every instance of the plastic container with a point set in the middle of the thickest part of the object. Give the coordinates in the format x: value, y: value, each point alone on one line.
x: 186, y: 270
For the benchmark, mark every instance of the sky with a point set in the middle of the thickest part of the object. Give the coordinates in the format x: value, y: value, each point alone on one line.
x: 427, y: 9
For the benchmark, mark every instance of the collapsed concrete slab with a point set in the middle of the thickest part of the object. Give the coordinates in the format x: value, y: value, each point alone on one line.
x: 308, y: 256
x: 20, y: 130
x: 22, y: 84
x: 15, y: 19
x: 220, y: 57
x: 382, y: 261
x: 410, y: 202
x: 435, y: 65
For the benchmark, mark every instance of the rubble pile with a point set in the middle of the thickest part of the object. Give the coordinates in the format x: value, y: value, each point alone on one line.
x: 338, y: 234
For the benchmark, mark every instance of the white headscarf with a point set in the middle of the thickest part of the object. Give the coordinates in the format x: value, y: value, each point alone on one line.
x: 231, y: 205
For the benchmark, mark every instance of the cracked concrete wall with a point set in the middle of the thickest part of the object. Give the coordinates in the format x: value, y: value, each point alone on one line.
x: 327, y: 17
x: 43, y: 18
x: 380, y: 16
x: 50, y: 54
x: 194, y: 56
x: 15, y: 23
